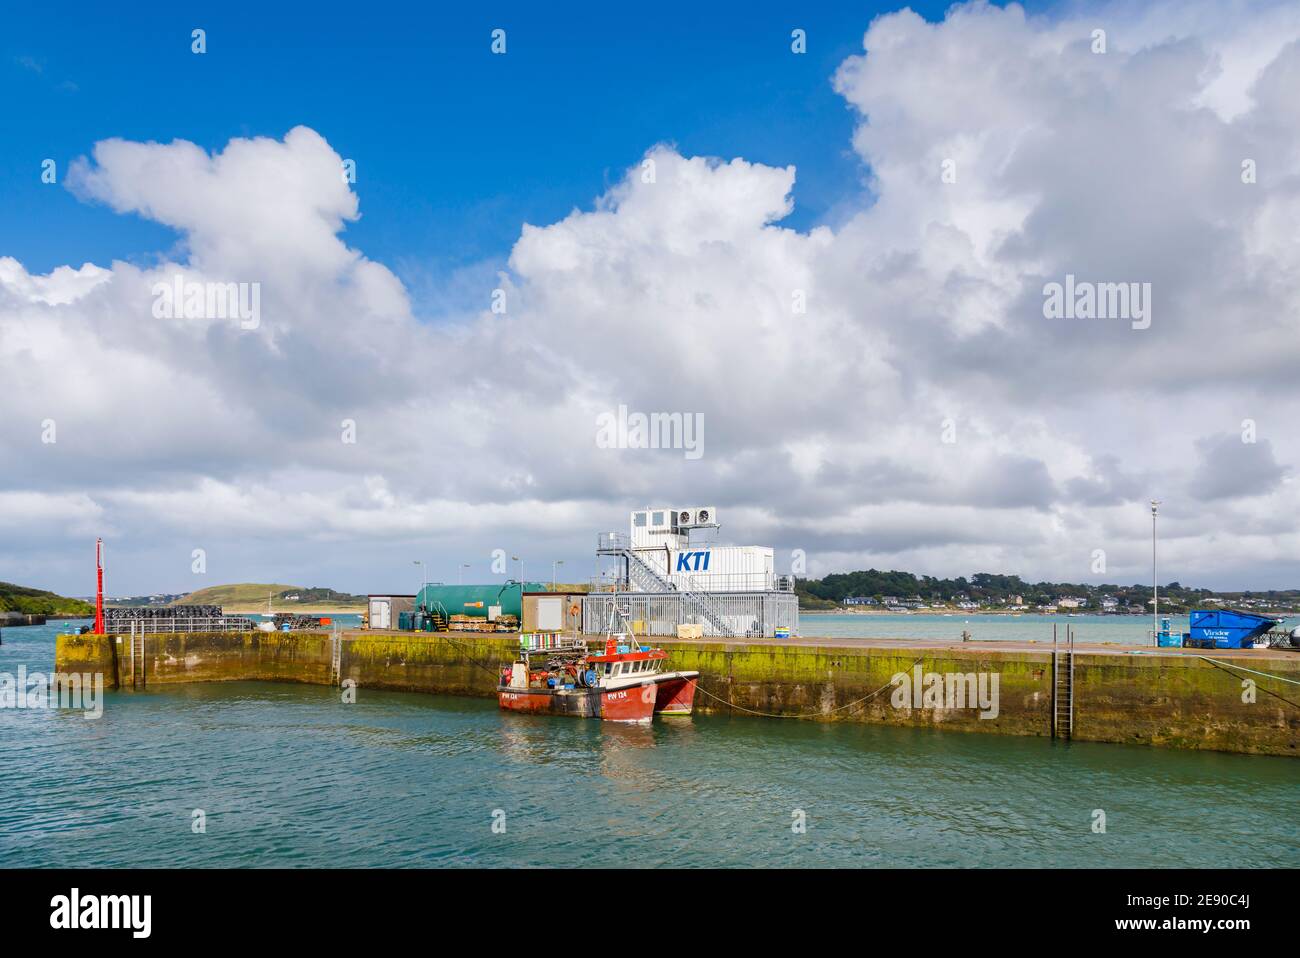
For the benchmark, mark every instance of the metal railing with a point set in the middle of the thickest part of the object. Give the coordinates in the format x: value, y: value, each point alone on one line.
x: 705, y: 607
x: 613, y: 542
x: 548, y: 641
x: 155, y: 626
x: 708, y: 582
x: 660, y: 613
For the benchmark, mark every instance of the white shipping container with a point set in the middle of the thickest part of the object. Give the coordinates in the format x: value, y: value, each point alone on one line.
x: 710, y: 568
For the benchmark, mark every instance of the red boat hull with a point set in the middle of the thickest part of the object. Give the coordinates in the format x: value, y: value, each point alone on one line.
x: 632, y: 704
x: 635, y: 704
x: 676, y: 695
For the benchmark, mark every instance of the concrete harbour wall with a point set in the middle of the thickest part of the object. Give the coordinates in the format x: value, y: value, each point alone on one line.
x: 1176, y: 701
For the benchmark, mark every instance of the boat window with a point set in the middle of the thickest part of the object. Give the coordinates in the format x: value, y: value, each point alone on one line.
x: 638, y: 520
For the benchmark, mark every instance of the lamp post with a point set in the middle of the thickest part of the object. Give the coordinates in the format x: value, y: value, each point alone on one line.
x: 1155, y: 581
x: 423, y: 578
x: 556, y: 562
x: 460, y: 573
x: 521, y: 569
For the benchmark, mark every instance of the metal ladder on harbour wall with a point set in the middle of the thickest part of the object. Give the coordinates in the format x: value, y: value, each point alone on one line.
x: 336, y: 656
x: 1063, y: 685
x: 137, y: 659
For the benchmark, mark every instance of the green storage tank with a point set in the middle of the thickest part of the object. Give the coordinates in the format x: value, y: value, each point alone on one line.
x: 476, y: 599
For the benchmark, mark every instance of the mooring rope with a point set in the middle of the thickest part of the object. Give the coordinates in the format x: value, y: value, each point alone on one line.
x: 1225, y: 666
x: 493, y: 670
x: 1231, y: 665
x: 802, y: 715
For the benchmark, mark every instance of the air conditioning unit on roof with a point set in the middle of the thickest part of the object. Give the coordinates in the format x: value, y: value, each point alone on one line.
x: 697, y: 518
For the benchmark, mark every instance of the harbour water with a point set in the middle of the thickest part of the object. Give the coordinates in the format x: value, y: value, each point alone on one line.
x: 288, y: 775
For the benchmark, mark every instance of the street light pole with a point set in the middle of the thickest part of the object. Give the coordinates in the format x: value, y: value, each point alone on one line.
x: 460, y: 573
x: 1155, y: 580
x: 423, y: 578
x: 521, y: 569
x: 556, y: 562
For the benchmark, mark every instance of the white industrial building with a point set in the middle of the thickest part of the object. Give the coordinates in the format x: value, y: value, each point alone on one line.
x: 666, y: 573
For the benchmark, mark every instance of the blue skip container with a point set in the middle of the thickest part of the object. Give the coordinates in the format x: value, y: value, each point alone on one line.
x: 1226, y: 628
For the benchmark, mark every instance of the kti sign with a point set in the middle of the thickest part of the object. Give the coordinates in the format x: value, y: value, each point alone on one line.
x: 693, y: 561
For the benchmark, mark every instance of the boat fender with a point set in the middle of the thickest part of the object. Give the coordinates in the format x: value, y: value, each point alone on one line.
x: 589, y: 677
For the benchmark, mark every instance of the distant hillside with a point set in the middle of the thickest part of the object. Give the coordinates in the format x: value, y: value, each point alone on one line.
x: 252, y: 595
x: 16, y: 598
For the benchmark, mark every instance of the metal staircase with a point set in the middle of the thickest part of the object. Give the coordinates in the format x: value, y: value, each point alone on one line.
x: 646, y: 578
x: 1063, y: 685
x: 439, y: 616
x: 336, y: 657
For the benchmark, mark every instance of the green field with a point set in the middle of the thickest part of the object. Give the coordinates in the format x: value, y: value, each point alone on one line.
x: 252, y: 595
x: 17, y: 598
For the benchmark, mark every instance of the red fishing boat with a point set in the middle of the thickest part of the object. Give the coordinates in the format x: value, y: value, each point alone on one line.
x: 619, y: 680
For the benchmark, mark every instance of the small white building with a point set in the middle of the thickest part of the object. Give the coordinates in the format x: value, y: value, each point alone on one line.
x: 382, y: 611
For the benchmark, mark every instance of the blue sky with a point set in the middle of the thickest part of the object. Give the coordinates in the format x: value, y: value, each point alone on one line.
x: 455, y: 147
x: 923, y: 302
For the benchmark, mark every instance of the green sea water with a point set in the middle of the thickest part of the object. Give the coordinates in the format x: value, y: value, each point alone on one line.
x: 288, y: 775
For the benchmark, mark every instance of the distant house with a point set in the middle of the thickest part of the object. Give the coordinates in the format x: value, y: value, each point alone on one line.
x: 859, y: 600
x: 1069, y: 602
x: 1109, y: 603
x: 968, y: 605
x: 1015, y: 600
